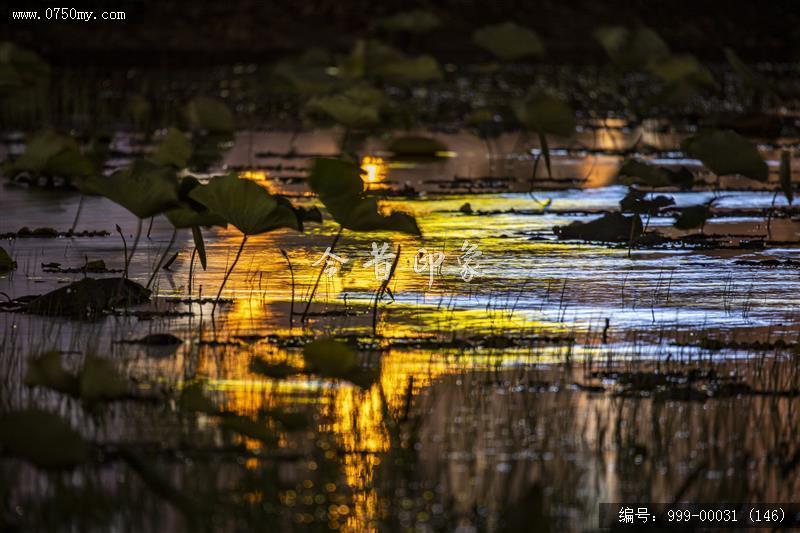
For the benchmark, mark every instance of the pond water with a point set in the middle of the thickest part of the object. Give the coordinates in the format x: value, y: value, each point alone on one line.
x: 525, y: 394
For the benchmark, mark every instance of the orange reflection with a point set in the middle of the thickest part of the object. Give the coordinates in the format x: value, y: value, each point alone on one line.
x: 261, y: 177
x: 255, y: 175
x: 599, y: 171
x: 375, y: 169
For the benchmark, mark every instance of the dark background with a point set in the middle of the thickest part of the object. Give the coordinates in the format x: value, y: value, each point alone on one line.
x: 200, y: 33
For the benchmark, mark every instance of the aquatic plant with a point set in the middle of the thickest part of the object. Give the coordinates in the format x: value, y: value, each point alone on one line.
x: 412, y: 21
x: 509, y: 41
x: 51, y: 155
x: 632, y: 48
x: 209, y: 114
x: 248, y: 207
x: 139, y: 111
x: 341, y: 190
x: 693, y: 216
x: 6, y: 263
x: 372, y: 59
x: 24, y: 83
x: 416, y: 147
x: 194, y: 215
x: 785, y: 175
x: 21, y: 70
x: 725, y: 152
x: 88, y: 298
x: 634, y: 171
x: 333, y: 359
x: 173, y: 149
x: 306, y: 75
x: 145, y: 188
x: 32, y: 433
x: 212, y: 125
x: 545, y: 114
x: 636, y: 201
x: 357, y: 107
x: 611, y: 227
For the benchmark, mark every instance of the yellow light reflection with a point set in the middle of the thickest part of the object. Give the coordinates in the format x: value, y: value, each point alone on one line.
x: 262, y: 177
x: 600, y: 171
x: 255, y: 175
x: 375, y: 169
x: 611, y: 136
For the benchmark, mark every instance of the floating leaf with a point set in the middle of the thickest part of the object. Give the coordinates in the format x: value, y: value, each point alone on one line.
x: 413, y: 147
x: 48, y: 371
x: 157, y: 344
x: 145, y: 188
x: 69, y: 163
x: 636, y: 201
x: 157, y: 339
x: 545, y: 113
x: 100, y: 381
x: 173, y: 149
x: 41, y: 147
x: 209, y: 114
x: 785, y: 174
x: 330, y: 358
x: 6, y: 263
x: 509, y: 41
x: 53, y: 154
x: 611, y: 227
x: 96, y: 265
x: 305, y: 79
x: 631, y: 48
x: 638, y: 172
x: 414, y: 21
x: 21, y: 70
x: 693, y: 217
x: 368, y: 57
x: 358, y: 107
x: 681, y: 68
x: 88, y: 297
x: 726, y: 152
x: 418, y: 69
x: 45, y: 439
x: 341, y: 189
x: 245, y: 204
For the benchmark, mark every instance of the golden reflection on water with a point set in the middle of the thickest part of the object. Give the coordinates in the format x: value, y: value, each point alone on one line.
x: 611, y: 136
x: 358, y: 420
x: 600, y: 170
x: 375, y: 169
x: 255, y: 175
